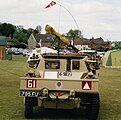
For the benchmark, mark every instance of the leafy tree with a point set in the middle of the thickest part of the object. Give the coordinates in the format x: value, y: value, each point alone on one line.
x: 29, y: 31
x: 101, y: 48
x: 74, y: 34
x: 18, y: 33
x: 7, y: 29
x: 21, y: 36
x: 117, y: 45
x: 39, y: 28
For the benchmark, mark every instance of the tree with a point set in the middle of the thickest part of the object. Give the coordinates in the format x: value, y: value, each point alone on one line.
x: 21, y: 35
x: 39, y: 28
x: 7, y: 29
x: 74, y: 34
x: 101, y: 48
x: 117, y: 45
x: 19, y: 28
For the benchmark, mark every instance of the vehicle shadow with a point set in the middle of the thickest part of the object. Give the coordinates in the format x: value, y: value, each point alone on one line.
x: 59, y: 114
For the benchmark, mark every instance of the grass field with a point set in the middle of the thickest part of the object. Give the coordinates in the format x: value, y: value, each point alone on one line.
x: 11, y: 105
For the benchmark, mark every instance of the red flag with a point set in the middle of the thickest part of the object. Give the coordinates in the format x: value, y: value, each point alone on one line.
x: 51, y: 4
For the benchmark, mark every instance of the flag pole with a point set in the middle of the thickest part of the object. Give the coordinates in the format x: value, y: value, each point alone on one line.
x: 69, y: 13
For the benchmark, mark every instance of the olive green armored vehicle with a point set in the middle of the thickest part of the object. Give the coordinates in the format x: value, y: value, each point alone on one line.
x: 61, y: 81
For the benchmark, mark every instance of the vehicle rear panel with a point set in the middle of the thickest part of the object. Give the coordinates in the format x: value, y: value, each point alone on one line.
x: 79, y: 85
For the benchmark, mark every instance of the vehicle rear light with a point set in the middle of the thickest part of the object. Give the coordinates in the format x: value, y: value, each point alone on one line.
x: 45, y: 92
x: 72, y: 93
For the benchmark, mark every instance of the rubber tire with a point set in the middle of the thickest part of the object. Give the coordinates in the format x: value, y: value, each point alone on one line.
x: 28, y: 113
x: 92, y: 109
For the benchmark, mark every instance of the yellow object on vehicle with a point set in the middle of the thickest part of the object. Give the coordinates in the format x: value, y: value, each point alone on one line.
x: 63, y: 39
x: 51, y: 31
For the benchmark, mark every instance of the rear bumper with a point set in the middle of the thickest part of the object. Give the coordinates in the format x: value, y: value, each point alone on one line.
x: 37, y: 84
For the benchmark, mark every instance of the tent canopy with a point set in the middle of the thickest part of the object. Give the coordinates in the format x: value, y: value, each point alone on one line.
x: 112, y: 58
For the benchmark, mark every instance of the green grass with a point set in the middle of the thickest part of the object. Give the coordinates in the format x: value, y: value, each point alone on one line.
x: 110, y: 94
x: 11, y: 105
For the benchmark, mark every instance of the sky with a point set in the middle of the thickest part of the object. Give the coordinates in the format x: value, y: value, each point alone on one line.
x: 95, y: 18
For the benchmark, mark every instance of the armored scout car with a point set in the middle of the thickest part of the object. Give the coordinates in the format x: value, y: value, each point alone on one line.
x: 61, y: 81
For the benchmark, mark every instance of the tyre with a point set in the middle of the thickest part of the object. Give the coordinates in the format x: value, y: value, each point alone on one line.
x: 92, y: 104
x: 28, y: 107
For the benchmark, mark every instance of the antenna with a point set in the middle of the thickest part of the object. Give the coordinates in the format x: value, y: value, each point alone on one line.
x: 69, y: 13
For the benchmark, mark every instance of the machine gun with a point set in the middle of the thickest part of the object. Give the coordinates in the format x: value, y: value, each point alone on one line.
x: 63, y: 39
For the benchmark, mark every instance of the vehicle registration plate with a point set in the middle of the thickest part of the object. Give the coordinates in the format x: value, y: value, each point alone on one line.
x: 29, y: 94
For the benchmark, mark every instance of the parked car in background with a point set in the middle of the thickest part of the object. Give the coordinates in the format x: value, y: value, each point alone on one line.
x: 13, y: 49
x: 17, y: 52
x: 26, y: 52
x: 21, y: 50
